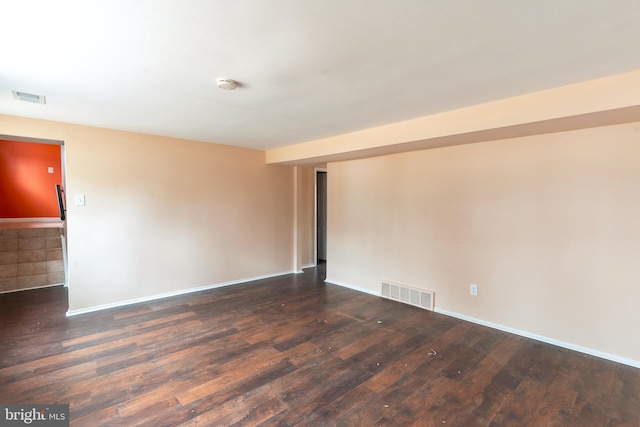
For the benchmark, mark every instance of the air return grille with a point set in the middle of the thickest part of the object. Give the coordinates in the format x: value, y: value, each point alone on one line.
x: 29, y: 97
x: 418, y: 297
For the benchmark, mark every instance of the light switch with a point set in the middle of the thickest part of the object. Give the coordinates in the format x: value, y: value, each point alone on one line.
x: 79, y: 199
x: 50, y: 169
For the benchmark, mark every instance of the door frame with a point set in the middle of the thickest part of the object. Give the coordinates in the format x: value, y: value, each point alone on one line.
x: 315, y: 212
x: 63, y: 177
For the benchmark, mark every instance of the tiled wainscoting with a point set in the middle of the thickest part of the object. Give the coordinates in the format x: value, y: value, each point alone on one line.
x: 30, y: 258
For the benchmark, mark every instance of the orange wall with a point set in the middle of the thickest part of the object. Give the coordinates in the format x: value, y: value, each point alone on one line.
x: 27, y: 190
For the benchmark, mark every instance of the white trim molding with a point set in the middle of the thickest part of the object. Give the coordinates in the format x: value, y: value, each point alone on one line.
x: 355, y: 288
x: 29, y: 289
x: 43, y: 219
x: 308, y: 266
x: 71, y: 313
x: 564, y: 344
x: 541, y: 338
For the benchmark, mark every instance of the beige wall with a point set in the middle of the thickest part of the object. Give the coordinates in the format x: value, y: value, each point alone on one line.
x: 547, y: 226
x: 164, y: 215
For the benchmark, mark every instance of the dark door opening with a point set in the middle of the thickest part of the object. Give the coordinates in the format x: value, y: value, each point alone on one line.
x: 321, y: 216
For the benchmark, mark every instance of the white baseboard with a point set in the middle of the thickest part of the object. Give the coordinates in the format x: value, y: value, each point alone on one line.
x: 567, y: 345
x: 564, y: 344
x: 43, y: 219
x: 171, y: 294
x: 355, y: 288
x: 35, y: 287
x: 308, y: 266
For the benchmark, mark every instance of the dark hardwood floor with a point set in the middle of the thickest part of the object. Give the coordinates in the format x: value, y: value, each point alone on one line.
x: 295, y: 351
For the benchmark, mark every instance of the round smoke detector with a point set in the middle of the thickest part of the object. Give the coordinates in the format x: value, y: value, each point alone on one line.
x: 227, y: 84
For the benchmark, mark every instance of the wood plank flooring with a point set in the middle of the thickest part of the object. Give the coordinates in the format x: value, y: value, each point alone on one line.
x: 294, y: 351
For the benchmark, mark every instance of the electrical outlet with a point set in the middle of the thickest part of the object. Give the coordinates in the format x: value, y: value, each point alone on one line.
x: 473, y: 289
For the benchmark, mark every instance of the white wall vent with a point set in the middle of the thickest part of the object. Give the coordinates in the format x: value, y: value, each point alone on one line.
x: 408, y: 295
x: 29, y: 97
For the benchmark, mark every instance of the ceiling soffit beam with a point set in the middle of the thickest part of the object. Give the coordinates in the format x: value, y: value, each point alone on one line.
x: 602, y: 102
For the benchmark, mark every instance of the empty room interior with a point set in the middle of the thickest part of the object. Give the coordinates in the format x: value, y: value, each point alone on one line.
x: 321, y: 213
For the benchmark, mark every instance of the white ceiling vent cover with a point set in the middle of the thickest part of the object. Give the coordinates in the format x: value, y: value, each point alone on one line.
x: 408, y: 295
x: 29, y: 97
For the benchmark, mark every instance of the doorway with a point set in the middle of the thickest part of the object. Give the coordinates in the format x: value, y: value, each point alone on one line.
x: 31, y: 212
x: 320, y: 247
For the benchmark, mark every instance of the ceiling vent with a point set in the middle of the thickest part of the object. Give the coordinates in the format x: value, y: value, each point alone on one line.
x: 29, y: 97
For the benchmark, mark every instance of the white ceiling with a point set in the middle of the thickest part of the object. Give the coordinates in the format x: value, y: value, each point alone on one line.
x: 309, y: 68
